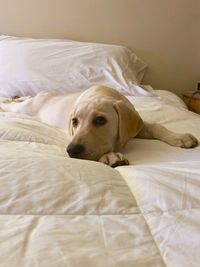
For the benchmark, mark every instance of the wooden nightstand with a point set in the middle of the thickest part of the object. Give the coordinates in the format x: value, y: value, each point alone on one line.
x: 192, y: 100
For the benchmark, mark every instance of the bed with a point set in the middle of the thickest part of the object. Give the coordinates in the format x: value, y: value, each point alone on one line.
x: 59, y: 211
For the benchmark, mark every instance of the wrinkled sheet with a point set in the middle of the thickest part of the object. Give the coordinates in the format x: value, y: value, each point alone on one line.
x: 165, y: 182
x: 57, y: 211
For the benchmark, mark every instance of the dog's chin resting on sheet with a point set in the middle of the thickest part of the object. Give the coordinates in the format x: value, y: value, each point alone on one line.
x: 100, y: 122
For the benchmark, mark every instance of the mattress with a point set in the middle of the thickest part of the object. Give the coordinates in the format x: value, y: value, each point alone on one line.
x: 58, y: 211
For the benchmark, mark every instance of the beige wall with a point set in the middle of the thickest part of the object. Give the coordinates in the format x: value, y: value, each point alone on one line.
x: 165, y: 33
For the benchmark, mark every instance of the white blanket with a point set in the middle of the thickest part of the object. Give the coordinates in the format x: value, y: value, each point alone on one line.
x: 165, y: 182
x: 56, y: 211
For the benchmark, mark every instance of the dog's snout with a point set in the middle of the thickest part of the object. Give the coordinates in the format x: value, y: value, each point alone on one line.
x: 75, y: 150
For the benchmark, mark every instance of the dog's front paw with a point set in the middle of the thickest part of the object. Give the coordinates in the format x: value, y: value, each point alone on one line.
x: 186, y: 141
x: 114, y: 159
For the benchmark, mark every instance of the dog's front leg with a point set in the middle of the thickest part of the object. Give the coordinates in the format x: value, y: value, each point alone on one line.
x: 157, y: 131
x: 114, y: 159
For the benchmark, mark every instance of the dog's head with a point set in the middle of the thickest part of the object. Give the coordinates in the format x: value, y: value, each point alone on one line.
x: 101, y: 121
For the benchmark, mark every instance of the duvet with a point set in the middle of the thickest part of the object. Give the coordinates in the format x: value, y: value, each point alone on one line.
x: 56, y: 211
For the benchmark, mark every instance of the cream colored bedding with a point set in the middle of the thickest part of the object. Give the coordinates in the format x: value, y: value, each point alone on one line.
x: 165, y: 182
x: 56, y: 211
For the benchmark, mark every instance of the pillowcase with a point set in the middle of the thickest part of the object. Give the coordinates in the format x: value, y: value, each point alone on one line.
x: 28, y: 66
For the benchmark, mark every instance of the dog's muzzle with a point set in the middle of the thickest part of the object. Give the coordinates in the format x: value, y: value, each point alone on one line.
x: 75, y: 150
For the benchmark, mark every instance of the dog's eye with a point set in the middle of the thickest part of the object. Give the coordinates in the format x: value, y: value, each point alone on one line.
x: 99, y: 121
x: 75, y: 122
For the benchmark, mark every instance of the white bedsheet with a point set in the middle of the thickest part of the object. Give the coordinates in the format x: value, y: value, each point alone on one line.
x: 57, y: 211
x: 165, y: 182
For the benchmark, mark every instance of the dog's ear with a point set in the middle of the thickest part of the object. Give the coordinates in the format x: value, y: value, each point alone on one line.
x: 129, y: 123
x: 70, y: 127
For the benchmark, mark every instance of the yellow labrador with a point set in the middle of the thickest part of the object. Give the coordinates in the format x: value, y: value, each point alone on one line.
x: 100, y: 122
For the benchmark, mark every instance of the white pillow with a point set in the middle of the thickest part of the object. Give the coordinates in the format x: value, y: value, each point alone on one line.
x: 28, y: 66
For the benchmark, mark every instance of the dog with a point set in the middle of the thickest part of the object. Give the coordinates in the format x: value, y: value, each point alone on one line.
x: 100, y: 122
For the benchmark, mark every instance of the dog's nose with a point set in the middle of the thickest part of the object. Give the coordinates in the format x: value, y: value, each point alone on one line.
x: 75, y: 150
